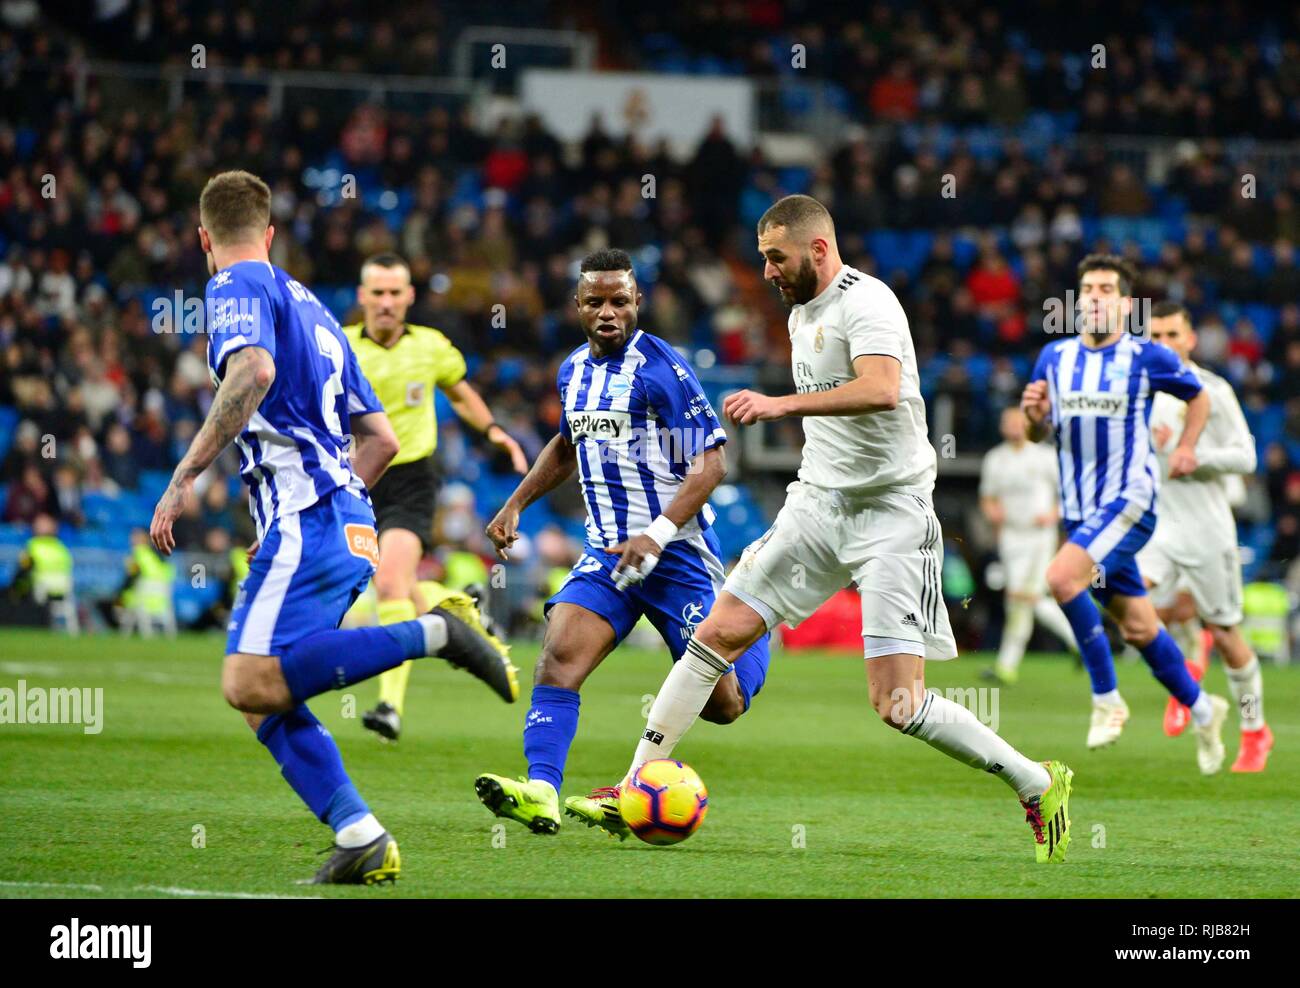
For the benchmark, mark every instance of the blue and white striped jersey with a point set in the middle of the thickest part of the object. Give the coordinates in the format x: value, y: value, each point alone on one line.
x: 1101, y: 406
x: 637, y: 417
x: 293, y: 451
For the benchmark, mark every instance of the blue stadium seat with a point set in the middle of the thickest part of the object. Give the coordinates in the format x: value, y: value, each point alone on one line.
x: 8, y: 426
x: 14, y: 535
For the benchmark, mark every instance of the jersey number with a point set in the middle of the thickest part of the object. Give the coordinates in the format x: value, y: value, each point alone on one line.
x: 331, y: 349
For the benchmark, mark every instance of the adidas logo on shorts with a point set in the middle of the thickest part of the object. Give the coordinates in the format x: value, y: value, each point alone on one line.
x: 911, y: 620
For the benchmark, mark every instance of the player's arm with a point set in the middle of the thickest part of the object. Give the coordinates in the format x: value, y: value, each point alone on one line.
x: 1182, y: 460
x: 1226, y: 444
x: 250, y: 372
x: 374, y: 444
x: 555, y: 464
x: 992, y: 510
x: 705, y: 473
x: 874, y: 389
x: 470, y: 407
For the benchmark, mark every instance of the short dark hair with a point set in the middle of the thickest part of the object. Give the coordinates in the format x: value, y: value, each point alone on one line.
x: 385, y: 260
x: 607, y: 259
x: 1162, y: 310
x: 794, y: 212
x: 235, y: 207
x: 1110, y: 262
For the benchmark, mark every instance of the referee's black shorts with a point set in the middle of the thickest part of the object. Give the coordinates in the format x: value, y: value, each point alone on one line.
x: 404, y: 497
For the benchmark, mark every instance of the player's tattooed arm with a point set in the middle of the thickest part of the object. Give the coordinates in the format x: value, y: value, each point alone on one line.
x: 250, y: 372
x: 555, y: 464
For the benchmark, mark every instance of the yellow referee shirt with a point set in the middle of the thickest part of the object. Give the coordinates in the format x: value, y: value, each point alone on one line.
x: 404, y: 376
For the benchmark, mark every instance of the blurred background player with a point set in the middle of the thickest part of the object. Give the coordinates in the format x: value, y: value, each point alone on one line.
x: 649, y: 451
x: 1018, y: 495
x: 1093, y: 392
x: 288, y: 393
x: 1195, y: 542
x: 861, y: 511
x: 405, y: 363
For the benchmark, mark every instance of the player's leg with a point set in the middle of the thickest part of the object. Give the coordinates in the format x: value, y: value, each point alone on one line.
x: 1069, y: 579
x: 399, y: 557
x: 1246, y: 683
x: 1017, y: 627
x: 1215, y: 587
x: 904, y: 620
x: 676, y: 596
x: 585, y: 619
x: 896, y: 681
x: 260, y: 678
x: 1160, y: 575
x: 1136, y: 617
x: 283, y: 599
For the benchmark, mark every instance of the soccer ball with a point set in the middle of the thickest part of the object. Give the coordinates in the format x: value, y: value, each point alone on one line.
x: 664, y: 802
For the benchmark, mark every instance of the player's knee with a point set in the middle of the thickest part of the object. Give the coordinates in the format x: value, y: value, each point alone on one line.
x: 894, y: 706
x: 238, y: 688
x: 1062, y: 581
x: 390, y: 585
x: 1139, y: 630
x: 724, y: 706
x: 555, y: 667
x: 246, y: 687
x: 726, y: 636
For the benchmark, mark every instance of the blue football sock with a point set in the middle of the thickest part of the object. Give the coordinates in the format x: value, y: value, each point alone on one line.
x: 330, y: 660
x: 1166, y: 661
x: 310, y: 762
x: 548, y: 732
x: 751, y: 669
x: 1085, y: 622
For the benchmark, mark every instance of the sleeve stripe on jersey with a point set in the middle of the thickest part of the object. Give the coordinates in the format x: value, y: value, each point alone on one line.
x: 230, y: 344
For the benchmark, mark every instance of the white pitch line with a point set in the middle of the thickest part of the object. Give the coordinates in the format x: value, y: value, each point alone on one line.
x: 29, y: 668
x: 172, y: 890
x: 159, y: 889
x: 52, y: 885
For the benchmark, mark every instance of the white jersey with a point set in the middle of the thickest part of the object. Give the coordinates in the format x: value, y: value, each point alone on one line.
x: 1024, y: 480
x: 858, y: 315
x: 1199, y: 506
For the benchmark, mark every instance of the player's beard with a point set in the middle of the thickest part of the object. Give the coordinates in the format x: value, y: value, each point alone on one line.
x: 803, y: 289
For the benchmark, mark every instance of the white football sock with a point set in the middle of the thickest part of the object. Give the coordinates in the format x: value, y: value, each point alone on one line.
x: 681, y: 698
x: 1187, y: 636
x: 1049, y: 614
x: 1016, y: 630
x: 1202, y: 709
x: 1247, y: 686
x: 359, y: 833
x: 954, y: 730
x: 1112, y: 698
x: 435, y: 633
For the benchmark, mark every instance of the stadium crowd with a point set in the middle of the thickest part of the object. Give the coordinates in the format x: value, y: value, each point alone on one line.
x: 101, y: 390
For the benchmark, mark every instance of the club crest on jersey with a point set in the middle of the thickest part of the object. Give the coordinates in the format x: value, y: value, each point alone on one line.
x: 819, y: 341
x: 618, y: 385
x: 414, y: 394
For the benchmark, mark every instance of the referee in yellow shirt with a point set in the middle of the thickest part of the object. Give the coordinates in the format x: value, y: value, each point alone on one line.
x: 404, y: 364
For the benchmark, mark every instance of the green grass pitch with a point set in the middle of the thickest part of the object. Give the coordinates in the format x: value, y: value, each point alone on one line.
x: 809, y: 794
